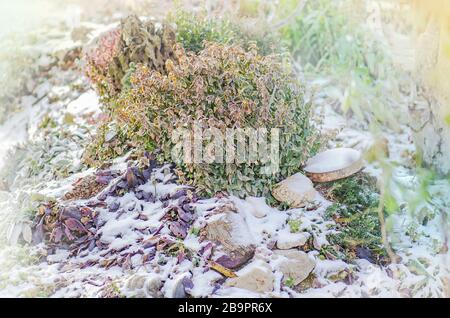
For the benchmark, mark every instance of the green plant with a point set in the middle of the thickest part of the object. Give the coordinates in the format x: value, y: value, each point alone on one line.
x: 330, y: 38
x: 112, y: 58
x: 112, y: 141
x: 326, y: 38
x: 294, y: 225
x: 221, y: 87
x: 194, y: 231
x: 289, y: 282
x: 356, y: 201
x: 194, y: 30
x: 355, y: 192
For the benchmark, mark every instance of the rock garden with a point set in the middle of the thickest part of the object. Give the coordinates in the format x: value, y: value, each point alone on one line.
x: 331, y: 197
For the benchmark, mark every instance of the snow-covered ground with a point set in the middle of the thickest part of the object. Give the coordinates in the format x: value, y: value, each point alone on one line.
x: 137, y: 246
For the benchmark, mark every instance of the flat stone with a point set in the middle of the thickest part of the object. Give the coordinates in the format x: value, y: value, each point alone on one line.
x: 334, y: 164
x: 295, y: 265
x: 256, y: 277
x: 292, y: 240
x: 230, y: 231
x: 296, y: 190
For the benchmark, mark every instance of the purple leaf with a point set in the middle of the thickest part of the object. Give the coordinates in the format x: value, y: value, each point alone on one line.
x: 56, y: 235
x: 184, y: 216
x: 228, y: 262
x: 183, y: 200
x: 147, y: 196
x: 148, y: 244
x: 206, y: 251
x: 69, y: 235
x: 74, y: 225
x: 178, y: 230
x: 139, y: 195
x: 178, y: 194
x: 91, y: 245
x: 113, y: 207
x: 164, y: 197
x: 102, y: 196
x: 187, y: 283
x: 103, y: 179
x: 122, y: 184
x: 70, y: 212
x: 180, y: 257
x: 158, y: 229
x: 188, y: 208
x: 146, y: 174
x: 38, y: 234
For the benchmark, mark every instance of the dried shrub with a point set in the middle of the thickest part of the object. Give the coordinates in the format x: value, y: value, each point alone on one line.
x: 111, y: 58
x: 220, y: 87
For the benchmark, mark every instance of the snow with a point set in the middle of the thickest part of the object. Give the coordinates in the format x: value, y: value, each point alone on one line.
x: 87, y: 103
x: 332, y: 160
x: 260, y: 228
x: 31, y: 271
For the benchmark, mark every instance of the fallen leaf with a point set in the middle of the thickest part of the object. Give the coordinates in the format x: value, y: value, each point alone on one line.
x: 222, y: 270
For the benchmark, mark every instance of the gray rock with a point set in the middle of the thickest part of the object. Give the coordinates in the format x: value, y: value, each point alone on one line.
x: 256, y: 277
x: 145, y: 285
x: 152, y: 286
x: 297, y: 191
x: 295, y: 265
x: 292, y: 240
x: 230, y: 231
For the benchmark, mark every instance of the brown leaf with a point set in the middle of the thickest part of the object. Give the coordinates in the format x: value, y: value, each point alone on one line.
x: 222, y: 270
